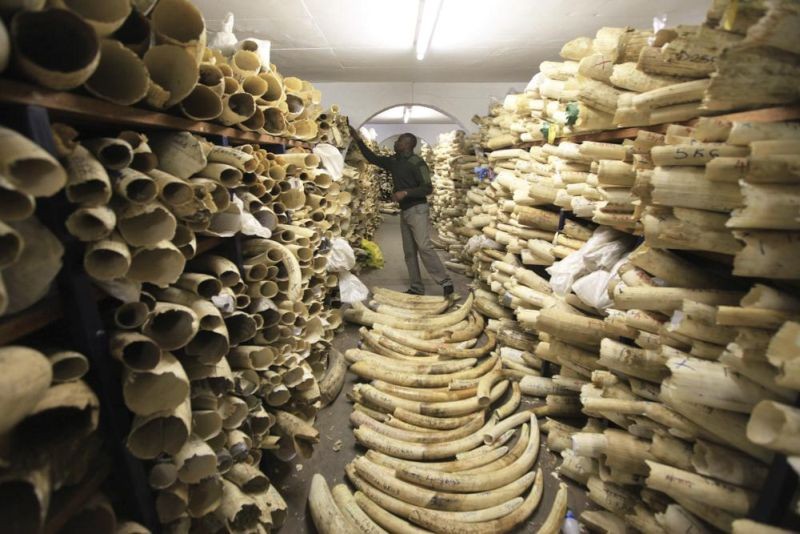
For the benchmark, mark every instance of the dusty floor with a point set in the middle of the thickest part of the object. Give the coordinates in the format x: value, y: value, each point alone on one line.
x: 293, y: 478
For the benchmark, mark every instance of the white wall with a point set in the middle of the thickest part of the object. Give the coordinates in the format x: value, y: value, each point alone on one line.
x: 461, y: 100
x: 428, y: 132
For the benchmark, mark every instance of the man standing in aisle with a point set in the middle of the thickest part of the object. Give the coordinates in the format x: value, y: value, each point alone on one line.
x: 412, y: 184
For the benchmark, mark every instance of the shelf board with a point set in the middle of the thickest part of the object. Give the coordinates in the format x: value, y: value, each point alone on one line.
x: 615, y: 135
x: 71, y: 105
x: 69, y: 501
x: 51, y: 308
x: 773, y: 114
x: 48, y: 310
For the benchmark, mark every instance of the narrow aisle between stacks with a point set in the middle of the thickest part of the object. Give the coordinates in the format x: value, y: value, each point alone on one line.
x: 336, y: 425
x: 337, y: 443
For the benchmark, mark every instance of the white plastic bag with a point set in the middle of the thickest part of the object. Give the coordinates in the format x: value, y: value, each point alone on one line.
x: 659, y: 23
x: 332, y: 160
x: 480, y: 241
x: 592, y: 289
x: 342, y: 257
x: 601, y: 252
x: 224, y: 40
x: 250, y: 225
x: 351, y: 288
x: 224, y: 302
x: 226, y: 223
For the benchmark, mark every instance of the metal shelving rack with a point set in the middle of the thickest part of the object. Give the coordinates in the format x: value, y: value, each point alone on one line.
x: 29, y: 110
x: 772, y: 114
x: 782, y: 483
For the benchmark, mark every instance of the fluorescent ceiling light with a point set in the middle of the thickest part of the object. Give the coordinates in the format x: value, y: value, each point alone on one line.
x: 426, y: 24
x: 406, y: 114
x: 379, y: 24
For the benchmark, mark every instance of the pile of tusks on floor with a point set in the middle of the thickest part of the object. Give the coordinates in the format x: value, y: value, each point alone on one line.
x: 438, y: 417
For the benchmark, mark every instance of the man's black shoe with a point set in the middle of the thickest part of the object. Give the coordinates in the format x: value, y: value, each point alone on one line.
x: 447, y: 290
x: 412, y: 292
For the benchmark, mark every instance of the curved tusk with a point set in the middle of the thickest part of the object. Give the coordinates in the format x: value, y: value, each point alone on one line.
x: 401, y: 417
x: 511, y: 405
x: 373, y: 371
x: 406, y: 366
x: 410, y: 340
x: 474, y: 330
x: 447, y: 467
x: 392, y: 344
x: 350, y: 508
x: 360, y: 314
x: 359, y: 419
x: 417, y: 312
x: 492, y: 309
x: 484, y: 458
x: 465, y: 344
x: 384, y: 479
x: 467, y: 383
x: 485, y: 385
x: 375, y: 414
x: 479, y: 352
x: 255, y: 247
x: 419, y: 451
x: 483, y: 449
x: 503, y: 524
x: 384, y: 300
x: 473, y: 482
x: 423, y: 395
x: 514, y: 453
x: 331, y: 384
x: 404, y: 509
x: 326, y: 515
x: 505, y: 425
x: 436, y: 409
x: 377, y: 344
x: 401, y: 337
x: 405, y: 297
x: 397, y: 423
x: 449, y: 334
x: 552, y: 525
x: 368, y: 336
x: 389, y: 521
x: 427, y: 421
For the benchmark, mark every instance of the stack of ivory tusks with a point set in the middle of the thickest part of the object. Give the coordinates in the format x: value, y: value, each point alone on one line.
x: 221, y: 360
x: 438, y: 420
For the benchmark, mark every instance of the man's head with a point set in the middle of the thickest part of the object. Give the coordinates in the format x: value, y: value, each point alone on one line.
x: 405, y: 143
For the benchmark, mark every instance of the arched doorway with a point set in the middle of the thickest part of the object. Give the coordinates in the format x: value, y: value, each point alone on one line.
x: 426, y: 122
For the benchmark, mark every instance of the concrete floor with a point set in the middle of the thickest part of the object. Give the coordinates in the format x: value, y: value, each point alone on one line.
x: 294, y: 478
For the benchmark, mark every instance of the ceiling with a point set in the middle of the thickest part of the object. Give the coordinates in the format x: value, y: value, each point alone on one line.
x: 474, y: 41
x: 417, y: 115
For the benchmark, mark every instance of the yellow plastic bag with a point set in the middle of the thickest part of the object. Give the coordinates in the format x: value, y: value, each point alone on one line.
x: 375, y: 258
